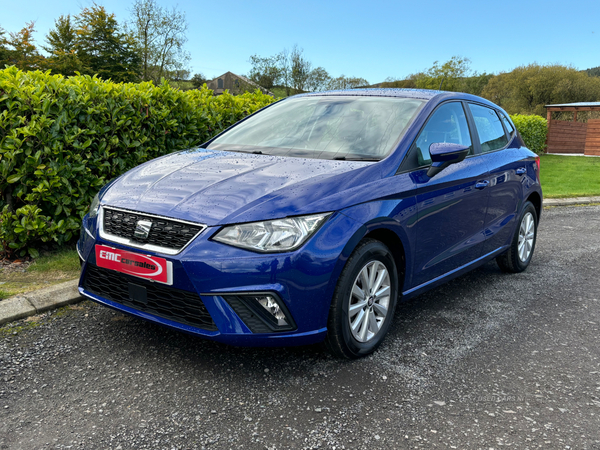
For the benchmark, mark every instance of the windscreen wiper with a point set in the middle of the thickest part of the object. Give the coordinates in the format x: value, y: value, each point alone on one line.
x: 355, y: 158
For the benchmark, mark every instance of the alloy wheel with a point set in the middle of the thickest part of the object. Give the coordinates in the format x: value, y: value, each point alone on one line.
x: 526, y: 237
x: 369, y: 301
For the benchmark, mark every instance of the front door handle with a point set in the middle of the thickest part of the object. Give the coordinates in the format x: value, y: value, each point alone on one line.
x: 521, y: 171
x: 482, y: 184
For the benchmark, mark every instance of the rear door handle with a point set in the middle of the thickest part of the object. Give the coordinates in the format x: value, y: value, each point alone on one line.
x: 482, y: 184
x: 521, y: 171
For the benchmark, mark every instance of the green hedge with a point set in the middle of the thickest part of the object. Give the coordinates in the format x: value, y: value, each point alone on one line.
x: 533, y: 130
x: 61, y: 139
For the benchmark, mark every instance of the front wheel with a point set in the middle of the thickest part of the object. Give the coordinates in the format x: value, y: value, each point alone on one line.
x: 364, y: 301
x: 518, y: 256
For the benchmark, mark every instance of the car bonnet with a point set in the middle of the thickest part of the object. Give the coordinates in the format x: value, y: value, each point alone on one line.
x: 218, y: 187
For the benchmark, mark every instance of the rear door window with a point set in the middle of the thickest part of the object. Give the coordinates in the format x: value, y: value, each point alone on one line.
x: 491, y: 132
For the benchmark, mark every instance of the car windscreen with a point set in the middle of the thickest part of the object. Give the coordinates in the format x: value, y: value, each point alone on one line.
x: 328, y: 127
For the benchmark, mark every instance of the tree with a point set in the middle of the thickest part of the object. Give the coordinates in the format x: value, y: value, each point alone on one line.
x: 104, y: 48
x: 318, y: 80
x: 299, y: 68
x: 476, y: 83
x: 391, y: 82
x: 198, y: 80
x: 593, y: 72
x: 447, y: 76
x: 270, y: 71
x: 178, y: 75
x: 62, y: 46
x: 526, y: 89
x: 453, y: 75
x: 161, y: 36
x: 24, y: 53
x: 265, y: 71
x: 285, y: 69
x: 3, y: 49
x: 293, y: 70
x: 344, y: 82
x: 63, y: 38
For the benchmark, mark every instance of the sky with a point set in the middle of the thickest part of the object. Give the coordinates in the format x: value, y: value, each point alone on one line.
x: 370, y: 39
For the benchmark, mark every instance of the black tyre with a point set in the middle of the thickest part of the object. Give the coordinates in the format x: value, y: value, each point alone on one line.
x: 518, y: 256
x: 364, y: 301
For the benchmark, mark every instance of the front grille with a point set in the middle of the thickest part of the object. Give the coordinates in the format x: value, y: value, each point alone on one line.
x: 163, y: 301
x: 164, y: 233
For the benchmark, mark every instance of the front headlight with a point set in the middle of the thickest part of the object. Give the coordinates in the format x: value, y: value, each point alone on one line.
x: 94, y: 207
x: 278, y: 235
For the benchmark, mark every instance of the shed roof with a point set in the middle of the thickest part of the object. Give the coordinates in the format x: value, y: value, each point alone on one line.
x: 580, y: 105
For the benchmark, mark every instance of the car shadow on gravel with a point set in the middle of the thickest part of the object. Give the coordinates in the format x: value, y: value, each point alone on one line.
x: 429, y: 333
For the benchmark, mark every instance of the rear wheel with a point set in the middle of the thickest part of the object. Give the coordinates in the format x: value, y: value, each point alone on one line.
x: 364, y: 301
x: 518, y: 256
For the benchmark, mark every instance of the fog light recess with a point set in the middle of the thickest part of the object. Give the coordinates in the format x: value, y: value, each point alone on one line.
x: 261, y: 312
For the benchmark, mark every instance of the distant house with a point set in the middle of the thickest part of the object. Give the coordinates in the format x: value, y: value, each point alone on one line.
x: 235, y: 84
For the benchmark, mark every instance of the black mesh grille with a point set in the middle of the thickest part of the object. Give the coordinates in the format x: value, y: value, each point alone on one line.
x: 251, y: 320
x: 163, y: 233
x: 163, y: 301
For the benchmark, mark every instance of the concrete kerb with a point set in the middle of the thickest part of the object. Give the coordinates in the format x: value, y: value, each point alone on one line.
x: 35, y: 302
x: 31, y: 303
x: 570, y: 201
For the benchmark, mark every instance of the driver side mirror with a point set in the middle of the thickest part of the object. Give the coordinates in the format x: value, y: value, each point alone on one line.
x: 443, y: 154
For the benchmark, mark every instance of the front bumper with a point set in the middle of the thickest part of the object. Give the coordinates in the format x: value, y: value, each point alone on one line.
x: 303, y: 280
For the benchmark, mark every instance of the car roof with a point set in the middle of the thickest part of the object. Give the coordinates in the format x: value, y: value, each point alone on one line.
x: 423, y: 94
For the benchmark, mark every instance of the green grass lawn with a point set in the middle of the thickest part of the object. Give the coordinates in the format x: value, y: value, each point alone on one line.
x: 50, y: 268
x: 569, y: 176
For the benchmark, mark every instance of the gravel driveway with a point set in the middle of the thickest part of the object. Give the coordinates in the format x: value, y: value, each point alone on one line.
x: 487, y: 361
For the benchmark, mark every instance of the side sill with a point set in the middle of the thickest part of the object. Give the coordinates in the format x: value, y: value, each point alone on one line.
x: 452, y: 274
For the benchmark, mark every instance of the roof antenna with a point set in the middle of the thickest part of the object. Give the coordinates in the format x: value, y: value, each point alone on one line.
x: 441, y: 82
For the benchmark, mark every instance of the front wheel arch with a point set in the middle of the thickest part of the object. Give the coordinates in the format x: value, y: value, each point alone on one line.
x: 341, y: 340
x: 382, y: 229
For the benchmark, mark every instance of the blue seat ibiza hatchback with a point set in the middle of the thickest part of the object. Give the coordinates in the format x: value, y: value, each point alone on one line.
x: 311, y: 219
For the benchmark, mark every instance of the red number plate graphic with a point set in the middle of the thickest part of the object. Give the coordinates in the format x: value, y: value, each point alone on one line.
x: 142, y: 266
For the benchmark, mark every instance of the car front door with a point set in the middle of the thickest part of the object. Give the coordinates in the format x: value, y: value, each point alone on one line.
x: 451, y: 205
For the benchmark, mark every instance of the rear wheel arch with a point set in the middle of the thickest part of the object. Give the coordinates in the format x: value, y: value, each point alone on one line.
x: 536, y: 200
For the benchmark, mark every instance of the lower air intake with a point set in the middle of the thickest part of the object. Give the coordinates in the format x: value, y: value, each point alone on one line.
x: 152, y: 298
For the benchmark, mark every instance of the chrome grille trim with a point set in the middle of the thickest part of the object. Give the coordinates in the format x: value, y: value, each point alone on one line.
x: 150, y: 247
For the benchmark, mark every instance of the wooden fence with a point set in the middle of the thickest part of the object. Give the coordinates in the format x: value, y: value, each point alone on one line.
x: 592, y: 139
x: 571, y: 136
x: 566, y: 137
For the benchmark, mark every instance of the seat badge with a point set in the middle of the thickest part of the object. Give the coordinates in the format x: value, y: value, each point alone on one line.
x: 142, y: 229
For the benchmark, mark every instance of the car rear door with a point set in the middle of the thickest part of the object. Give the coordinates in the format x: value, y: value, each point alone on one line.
x: 508, y: 169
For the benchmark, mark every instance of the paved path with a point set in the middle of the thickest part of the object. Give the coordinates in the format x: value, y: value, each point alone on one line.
x: 487, y: 361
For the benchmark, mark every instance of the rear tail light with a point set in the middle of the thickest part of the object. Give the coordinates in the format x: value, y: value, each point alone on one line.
x: 537, y: 161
